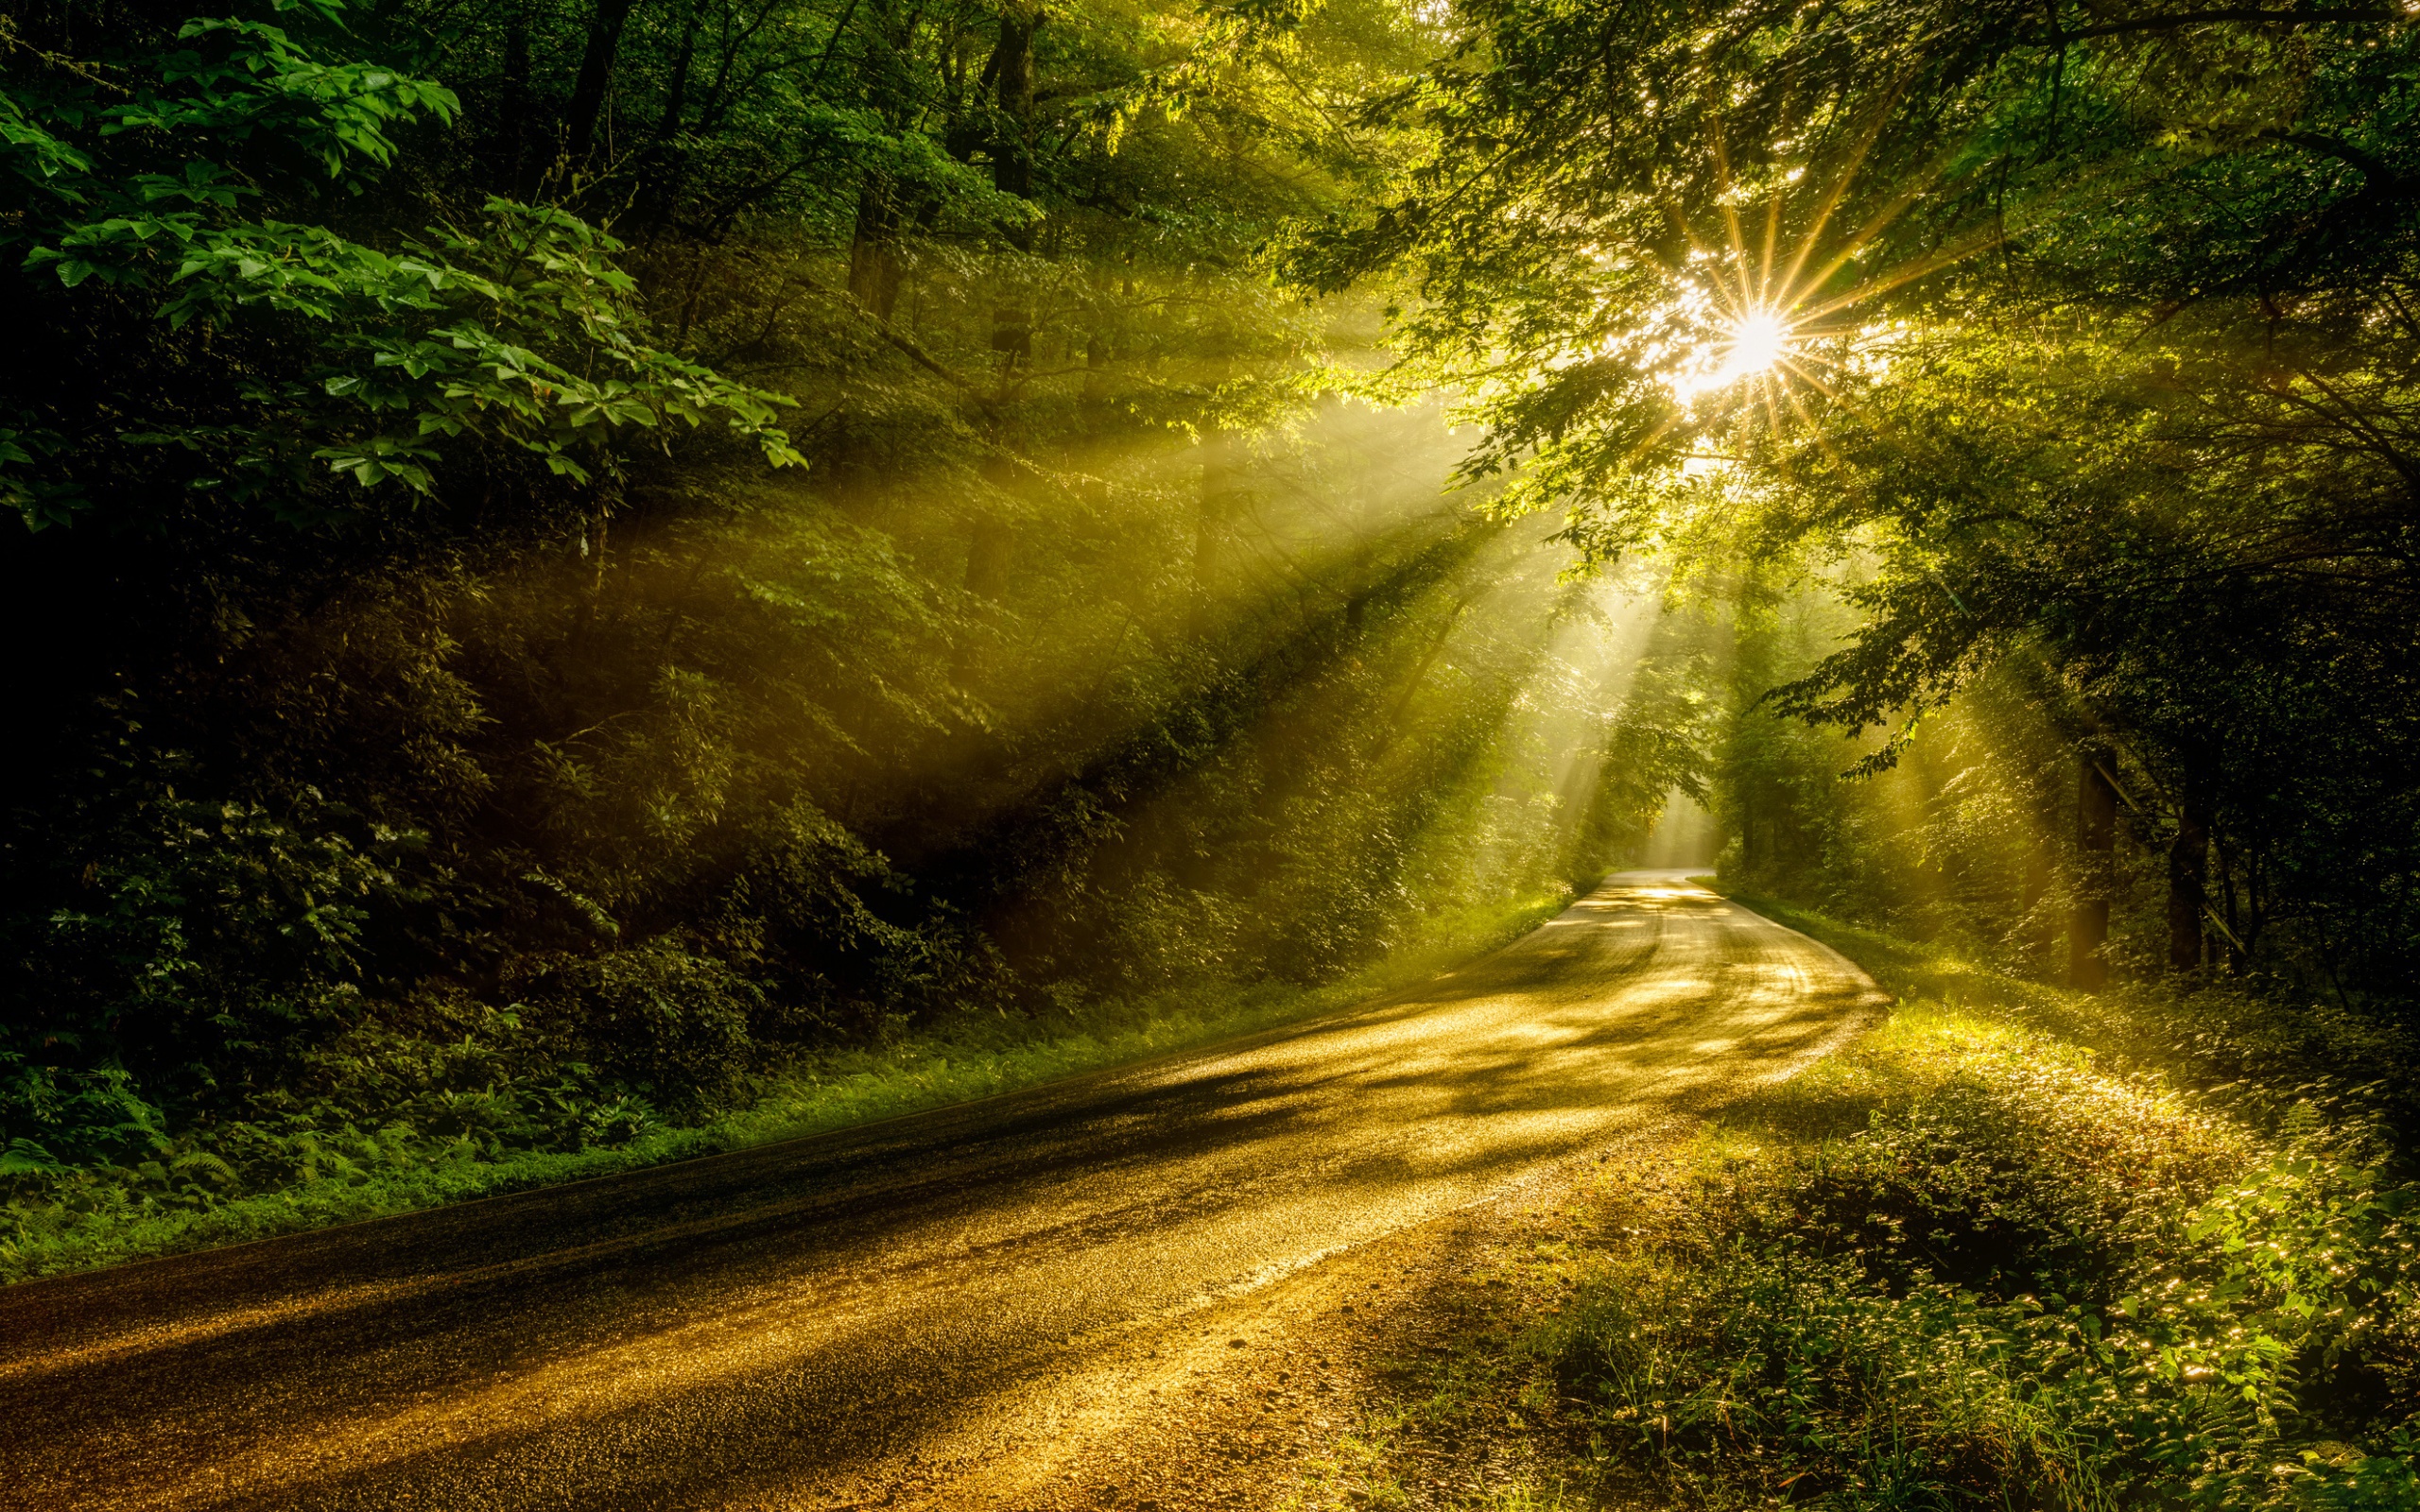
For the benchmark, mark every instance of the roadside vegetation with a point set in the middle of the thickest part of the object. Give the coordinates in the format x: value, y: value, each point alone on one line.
x: 605, y: 573
x: 585, y: 572
x: 107, y: 1214
x: 2015, y: 1247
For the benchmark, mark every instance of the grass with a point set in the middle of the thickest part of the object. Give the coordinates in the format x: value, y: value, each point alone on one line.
x: 835, y: 1091
x: 2013, y: 1247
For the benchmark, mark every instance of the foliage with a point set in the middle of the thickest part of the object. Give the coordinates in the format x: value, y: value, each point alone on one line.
x: 2009, y: 1248
x: 158, y: 177
x: 63, y: 1217
x: 2025, y: 1276
x: 459, y: 752
x: 2091, y: 374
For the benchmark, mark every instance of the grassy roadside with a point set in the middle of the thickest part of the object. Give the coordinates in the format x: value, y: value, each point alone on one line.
x: 817, y: 1095
x: 2013, y: 1247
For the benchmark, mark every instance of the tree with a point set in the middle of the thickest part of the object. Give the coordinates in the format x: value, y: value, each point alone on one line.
x: 184, y: 177
x: 2086, y: 343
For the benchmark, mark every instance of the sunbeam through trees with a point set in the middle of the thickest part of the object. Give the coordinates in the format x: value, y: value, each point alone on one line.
x: 582, y: 572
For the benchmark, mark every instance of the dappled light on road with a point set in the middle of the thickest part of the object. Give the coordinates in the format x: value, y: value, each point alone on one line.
x: 779, y: 1326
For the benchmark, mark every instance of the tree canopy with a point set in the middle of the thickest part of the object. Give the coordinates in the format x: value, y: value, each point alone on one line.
x: 573, y: 555
x: 2085, y: 354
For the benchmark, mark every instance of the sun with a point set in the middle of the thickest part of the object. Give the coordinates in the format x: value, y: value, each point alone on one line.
x: 1758, y: 341
x: 1763, y: 331
x: 1753, y: 328
x: 1734, y: 348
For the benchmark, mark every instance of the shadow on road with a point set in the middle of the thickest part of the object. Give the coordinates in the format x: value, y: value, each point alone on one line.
x: 782, y: 1315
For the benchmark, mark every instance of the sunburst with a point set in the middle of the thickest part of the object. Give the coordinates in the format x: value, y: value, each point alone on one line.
x: 1750, y: 345
x: 1764, y: 324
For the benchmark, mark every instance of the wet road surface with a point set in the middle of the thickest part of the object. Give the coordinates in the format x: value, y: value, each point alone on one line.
x: 788, y: 1326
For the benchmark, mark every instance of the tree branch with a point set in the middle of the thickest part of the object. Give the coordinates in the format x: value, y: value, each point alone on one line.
x: 2246, y: 14
x: 883, y: 328
x: 2379, y: 175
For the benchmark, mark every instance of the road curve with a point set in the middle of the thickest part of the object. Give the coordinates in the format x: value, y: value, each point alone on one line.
x: 759, y: 1329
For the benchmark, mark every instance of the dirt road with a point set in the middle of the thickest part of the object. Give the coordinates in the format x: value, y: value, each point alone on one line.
x: 941, y: 1311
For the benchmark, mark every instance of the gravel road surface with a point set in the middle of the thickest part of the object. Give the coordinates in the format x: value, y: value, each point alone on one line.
x: 867, y: 1317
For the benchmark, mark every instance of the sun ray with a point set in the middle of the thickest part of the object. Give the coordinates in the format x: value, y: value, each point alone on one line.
x: 1722, y: 188
x: 1813, y: 382
x: 1663, y: 428
x: 1799, y: 352
x: 1815, y: 432
x: 1877, y: 223
x: 1838, y: 189
x: 1957, y: 251
x: 1773, y: 234
x: 1752, y: 337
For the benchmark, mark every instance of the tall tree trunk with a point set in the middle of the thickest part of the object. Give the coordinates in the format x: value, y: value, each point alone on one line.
x: 2188, y: 872
x: 676, y: 94
x: 875, y: 272
x: 512, y: 106
x: 2096, y: 842
x: 667, y: 172
x: 1010, y: 70
x: 1013, y: 83
x: 595, y: 76
x: 1011, y: 150
x: 2236, y: 960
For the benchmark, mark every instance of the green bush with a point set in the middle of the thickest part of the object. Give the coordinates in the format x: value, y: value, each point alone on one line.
x: 2028, y: 1280
x: 672, y: 1023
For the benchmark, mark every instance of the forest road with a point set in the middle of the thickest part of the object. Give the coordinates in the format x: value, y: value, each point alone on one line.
x: 870, y: 1317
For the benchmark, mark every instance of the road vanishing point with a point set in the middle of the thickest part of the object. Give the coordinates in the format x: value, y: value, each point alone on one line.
x: 825, y: 1322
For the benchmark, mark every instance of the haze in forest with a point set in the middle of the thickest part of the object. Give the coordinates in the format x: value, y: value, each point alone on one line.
x: 583, y: 571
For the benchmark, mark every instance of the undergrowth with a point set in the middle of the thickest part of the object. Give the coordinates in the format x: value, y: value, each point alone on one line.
x: 2013, y: 1248
x: 59, y: 1218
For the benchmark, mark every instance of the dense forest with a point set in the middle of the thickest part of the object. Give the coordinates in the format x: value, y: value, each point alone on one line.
x: 2090, y: 339
x: 578, y: 564
x: 577, y: 558
x: 570, y: 556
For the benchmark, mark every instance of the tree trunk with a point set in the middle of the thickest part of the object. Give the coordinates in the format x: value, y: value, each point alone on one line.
x: 596, y: 75
x: 1010, y: 70
x: 2096, y: 842
x: 676, y: 94
x: 1011, y: 145
x: 1011, y: 148
x: 512, y: 106
x: 666, y: 173
x: 875, y: 272
x: 2188, y: 863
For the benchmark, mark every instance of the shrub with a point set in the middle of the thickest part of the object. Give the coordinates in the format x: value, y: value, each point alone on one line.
x: 2026, y: 1282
